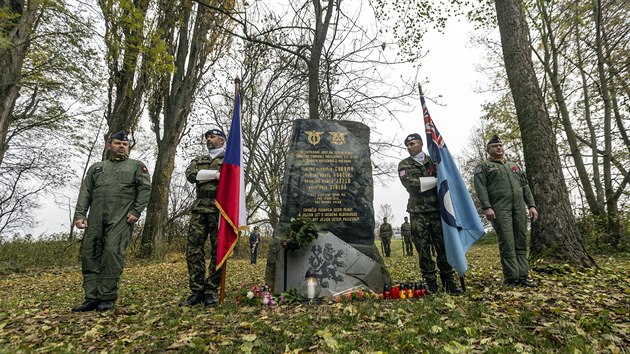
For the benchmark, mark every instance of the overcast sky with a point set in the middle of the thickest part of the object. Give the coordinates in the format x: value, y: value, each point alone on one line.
x: 450, y: 70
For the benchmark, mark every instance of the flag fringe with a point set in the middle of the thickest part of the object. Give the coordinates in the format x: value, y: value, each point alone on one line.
x: 230, y: 251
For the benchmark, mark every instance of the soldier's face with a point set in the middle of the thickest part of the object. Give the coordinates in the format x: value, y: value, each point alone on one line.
x: 118, y: 148
x: 414, y: 147
x: 496, y: 150
x: 214, y: 141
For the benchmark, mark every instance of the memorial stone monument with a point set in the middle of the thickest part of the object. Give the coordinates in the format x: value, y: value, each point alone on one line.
x: 328, y: 179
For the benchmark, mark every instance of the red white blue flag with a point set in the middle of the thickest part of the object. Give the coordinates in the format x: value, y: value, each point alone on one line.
x: 461, y: 225
x: 230, y: 197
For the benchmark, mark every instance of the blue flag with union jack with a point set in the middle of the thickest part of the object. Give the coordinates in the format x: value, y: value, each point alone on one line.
x: 461, y: 224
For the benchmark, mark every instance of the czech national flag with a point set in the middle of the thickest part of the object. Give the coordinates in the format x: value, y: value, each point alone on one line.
x: 461, y: 224
x: 230, y: 197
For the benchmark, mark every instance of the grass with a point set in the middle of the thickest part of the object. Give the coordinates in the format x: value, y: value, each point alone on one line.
x: 572, y: 311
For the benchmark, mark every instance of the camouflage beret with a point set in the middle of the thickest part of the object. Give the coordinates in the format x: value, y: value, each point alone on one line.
x: 121, y: 135
x: 414, y: 136
x: 494, y: 140
x: 217, y: 132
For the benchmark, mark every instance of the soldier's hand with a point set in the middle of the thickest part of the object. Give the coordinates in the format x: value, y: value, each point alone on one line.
x: 533, y: 213
x: 81, y: 223
x: 489, y: 213
x: 131, y: 219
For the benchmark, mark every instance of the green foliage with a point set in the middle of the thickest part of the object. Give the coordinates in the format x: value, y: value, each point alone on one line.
x: 22, y: 254
x: 595, y: 235
x: 301, y: 232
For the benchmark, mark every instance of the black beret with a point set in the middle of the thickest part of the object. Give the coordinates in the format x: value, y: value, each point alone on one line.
x: 494, y: 140
x: 414, y: 136
x: 218, y: 132
x: 121, y: 135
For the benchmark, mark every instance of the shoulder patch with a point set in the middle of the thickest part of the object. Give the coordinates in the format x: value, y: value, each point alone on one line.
x: 478, y: 169
x: 402, y: 173
x: 144, y: 169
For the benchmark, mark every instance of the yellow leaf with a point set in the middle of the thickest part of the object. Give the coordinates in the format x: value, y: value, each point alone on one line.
x: 436, y: 329
x: 331, y: 343
x: 249, y: 337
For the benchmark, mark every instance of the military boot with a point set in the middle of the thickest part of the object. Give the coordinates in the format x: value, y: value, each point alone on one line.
x: 431, y: 286
x: 194, y: 299
x: 450, y: 286
x: 211, y: 301
x: 105, y: 305
x: 87, y: 305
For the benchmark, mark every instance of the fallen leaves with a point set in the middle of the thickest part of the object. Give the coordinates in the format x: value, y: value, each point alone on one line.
x: 571, y: 311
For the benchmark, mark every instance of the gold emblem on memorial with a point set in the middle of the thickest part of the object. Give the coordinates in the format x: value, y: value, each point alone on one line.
x: 313, y: 137
x: 338, y: 138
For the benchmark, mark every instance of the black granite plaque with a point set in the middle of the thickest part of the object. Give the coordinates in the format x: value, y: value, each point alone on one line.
x: 328, y: 179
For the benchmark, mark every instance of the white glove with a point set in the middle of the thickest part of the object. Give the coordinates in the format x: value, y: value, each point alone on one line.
x: 427, y: 183
x: 208, y: 175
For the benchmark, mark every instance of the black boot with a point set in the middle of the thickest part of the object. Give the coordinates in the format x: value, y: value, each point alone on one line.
x: 194, y: 299
x: 450, y: 286
x: 87, y: 305
x: 431, y: 286
x: 526, y: 283
x: 211, y: 301
x: 105, y: 305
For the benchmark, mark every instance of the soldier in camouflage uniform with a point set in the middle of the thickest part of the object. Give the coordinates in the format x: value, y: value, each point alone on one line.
x: 418, y: 175
x: 386, y: 233
x: 204, y: 172
x: 405, y: 232
x: 503, y: 191
x: 115, y: 192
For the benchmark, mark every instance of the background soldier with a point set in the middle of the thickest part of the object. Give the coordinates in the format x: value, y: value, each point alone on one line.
x: 385, y: 232
x: 405, y: 232
x: 115, y: 191
x: 503, y: 191
x: 418, y: 174
x: 254, y: 241
x: 204, y: 172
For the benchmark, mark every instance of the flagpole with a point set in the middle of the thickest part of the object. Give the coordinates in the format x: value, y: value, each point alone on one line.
x: 237, y: 81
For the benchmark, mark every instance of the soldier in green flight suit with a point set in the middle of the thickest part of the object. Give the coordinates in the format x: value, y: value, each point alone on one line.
x: 503, y: 191
x: 405, y: 232
x: 386, y: 233
x: 115, y: 191
x: 204, y: 171
x: 418, y: 174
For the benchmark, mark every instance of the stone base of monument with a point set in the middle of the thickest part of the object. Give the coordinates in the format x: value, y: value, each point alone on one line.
x: 338, y: 266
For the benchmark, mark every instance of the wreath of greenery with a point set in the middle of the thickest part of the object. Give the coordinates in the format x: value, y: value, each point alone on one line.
x: 301, y: 232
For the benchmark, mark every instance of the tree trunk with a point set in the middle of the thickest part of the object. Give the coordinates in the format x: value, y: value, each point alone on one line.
x: 157, y: 209
x: 552, y: 68
x: 178, y: 94
x: 319, y: 38
x: 18, y: 33
x: 127, y: 76
x: 555, y: 237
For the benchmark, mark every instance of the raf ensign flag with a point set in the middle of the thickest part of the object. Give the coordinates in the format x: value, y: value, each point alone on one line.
x: 461, y: 224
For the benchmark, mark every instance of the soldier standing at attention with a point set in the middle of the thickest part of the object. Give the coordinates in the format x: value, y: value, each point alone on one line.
x: 115, y: 192
x: 418, y: 174
x: 405, y: 232
x: 385, y: 232
x: 502, y: 188
x: 204, y: 172
x: 254, y: 240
